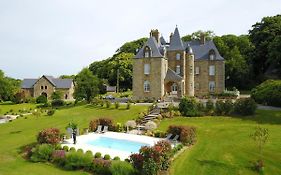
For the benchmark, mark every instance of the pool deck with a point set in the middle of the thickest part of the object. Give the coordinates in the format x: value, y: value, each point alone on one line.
x: 83, y: 139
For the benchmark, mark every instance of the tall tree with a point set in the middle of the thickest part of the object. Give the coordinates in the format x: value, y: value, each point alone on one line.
x: 265, y: 36
x: 209, y: 35
x: 86, y: 85
x: 8, y: 87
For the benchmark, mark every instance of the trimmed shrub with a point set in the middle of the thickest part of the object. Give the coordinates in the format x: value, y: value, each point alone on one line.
x: 57, y: 95
x: 106, y: 157
x: 80, y: 150
x: 42, y: 153
x: 116, y: 158
x: 268, y: 93
x: 128, y: 105
x: 58, y: 157
x: 187, y: 134
x: 77, y: 160
x: 210, y: 108
x: 160, y: 134
x: 57, y: 103
x: 117, y: 105
x: 224, y: 108
x: 150, y: 126
x: 107, y: 104
x: 98, y: 155
x: 51, y: 112
x: 101, y: 121
x: 89, y: 153
x: 65, y: 148
x: 245, y: 106
x: 41, y: 99
x: 101, y: 166
x: 72, y: 149
x: 121, y: 168
x: 189, y: 107
x: 50, y: 136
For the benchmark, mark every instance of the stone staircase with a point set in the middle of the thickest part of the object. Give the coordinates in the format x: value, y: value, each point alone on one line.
x: 153, y: 114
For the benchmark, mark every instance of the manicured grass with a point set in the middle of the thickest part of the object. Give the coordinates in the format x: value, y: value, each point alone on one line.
x: 20, y: 132
x: 7, y: 106
x: 224, y: 145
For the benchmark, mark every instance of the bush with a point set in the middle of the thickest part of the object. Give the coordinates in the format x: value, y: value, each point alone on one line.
x: 187, y: 134
x: 57, y: 95
x: 101, y: 166
x: 80, y: 150
x: 245, y: 106
x: 106, y: 157
x: 41, y: 99
x: 116, y: 158
x: 128, y: 105
x: 98, y: 155
x: 101, y: 121
x: 160, y: 134
x: 121, y: 168
x: 90, y: 153
x: 189, y: 107
x: 268, y: 93
x: 42, y: 153
x: 224, y: 108
x: 58, y: 157
x: 150, y: 126
x: 210, y: 109
x: 51, y: 112
x: 50, y: 136
x: 117, y: 105
x: 57, y: 103
x: 72, y: 149
x: 65, y: 148
x: 107, y: 104
x: 77, y: 160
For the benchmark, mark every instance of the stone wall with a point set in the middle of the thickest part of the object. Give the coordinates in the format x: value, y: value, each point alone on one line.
x: 158, y: 69
x: 48, y: 88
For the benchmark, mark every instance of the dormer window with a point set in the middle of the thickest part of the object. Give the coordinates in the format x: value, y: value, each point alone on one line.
x: 212, y: 55
x: 178, y: 56
x: 147, y: 52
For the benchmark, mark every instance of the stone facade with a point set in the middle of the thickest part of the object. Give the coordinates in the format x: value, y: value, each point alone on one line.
x: 177, y: 68
x: 47, y: 85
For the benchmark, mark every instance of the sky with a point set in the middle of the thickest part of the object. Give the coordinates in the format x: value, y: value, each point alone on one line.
x: 60, y: 37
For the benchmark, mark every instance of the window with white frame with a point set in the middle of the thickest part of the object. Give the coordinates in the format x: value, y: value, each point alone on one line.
x: 197, y: 70
x: 146, y: 86
x: 178, y: 56
x: 146, y: 69
x: 212, y: 70
x: 146, y: 54
x: 174, y: 87
x: 178, y: 69
x: 211, y: 86
x: 212, y: 57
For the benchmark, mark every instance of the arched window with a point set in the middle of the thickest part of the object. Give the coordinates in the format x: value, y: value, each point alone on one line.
x: 174, y: 87
x: 146, y: 86
x: 178, y: 69
x: 178, y: 56
x: 212, y: 54
x: 147, y: 52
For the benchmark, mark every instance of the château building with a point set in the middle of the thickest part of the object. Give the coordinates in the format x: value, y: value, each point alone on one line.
x: 175, y: 69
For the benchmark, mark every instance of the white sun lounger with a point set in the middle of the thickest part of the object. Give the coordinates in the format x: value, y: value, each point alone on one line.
x: 99, y: 129
x: 105, y: 129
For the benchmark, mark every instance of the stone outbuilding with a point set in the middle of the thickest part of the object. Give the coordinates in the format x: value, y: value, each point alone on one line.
x: 47, y: 85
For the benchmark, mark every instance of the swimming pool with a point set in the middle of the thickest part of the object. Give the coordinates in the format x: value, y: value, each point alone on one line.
x: 117, y: 144
x: 112, y: 143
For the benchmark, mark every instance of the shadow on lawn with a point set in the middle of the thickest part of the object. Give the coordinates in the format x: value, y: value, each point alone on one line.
x: 264, y: 117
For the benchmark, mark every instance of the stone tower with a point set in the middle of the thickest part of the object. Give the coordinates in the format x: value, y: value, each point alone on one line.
x: 189, y: 72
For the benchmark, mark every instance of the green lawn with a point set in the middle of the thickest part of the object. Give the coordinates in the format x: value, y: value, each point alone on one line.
x: 224, y: 146
x: 22, y: 131
x: 6, y: 107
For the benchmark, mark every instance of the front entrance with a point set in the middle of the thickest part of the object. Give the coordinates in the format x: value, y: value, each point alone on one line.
x: 44, y: 94
x: 174, y: 89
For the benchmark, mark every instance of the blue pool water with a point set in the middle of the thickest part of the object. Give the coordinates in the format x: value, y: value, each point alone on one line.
x: 117, y: 144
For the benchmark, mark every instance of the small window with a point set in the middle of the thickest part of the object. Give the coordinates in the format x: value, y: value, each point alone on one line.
x: 212, y: 57
x: 146, y: 69
x: 212, y: 70
x: 178, y: 69
x: 146, y: 86
x: 42, y: 87
x: 190, y: 70
x: 46, y: 87
x: 178, y: 56
x: 212, y: 54
x: 146, y: 54
x: 174, y: 87
x: 65, y: 96
x: 197, y: 70
x: 211, y: 86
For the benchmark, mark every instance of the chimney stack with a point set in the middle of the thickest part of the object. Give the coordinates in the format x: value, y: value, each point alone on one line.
x: 155, y: 34
x: 202, y: 39
x: 171, y: 35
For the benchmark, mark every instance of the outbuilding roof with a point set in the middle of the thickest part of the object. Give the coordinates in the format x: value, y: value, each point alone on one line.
x: 57, y: 82
x: 172, y: 76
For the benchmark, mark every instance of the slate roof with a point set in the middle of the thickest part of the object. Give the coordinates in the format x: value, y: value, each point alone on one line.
x: 176, y: 42
x: 57, y: 82
x: 201, y: 51
x: 162, y: 40
x: 152, y: 44
x: 172, y: 76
